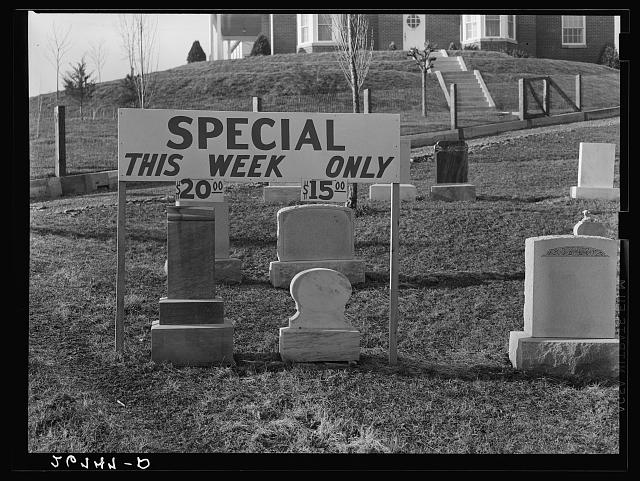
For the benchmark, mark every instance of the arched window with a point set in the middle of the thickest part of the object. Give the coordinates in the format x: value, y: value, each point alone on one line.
x: 413, y: 21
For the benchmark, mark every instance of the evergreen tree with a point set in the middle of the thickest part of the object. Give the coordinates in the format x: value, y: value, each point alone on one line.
x: 78, y: 84
x: 261, y: 46
x: 196, y: 54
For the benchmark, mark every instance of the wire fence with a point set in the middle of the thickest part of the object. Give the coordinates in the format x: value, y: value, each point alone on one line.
x: 91, y: 139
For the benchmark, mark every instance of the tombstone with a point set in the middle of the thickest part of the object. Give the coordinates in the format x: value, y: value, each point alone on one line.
x: 315, y: 235
x: 595, y: 172
x: 281, y: 192
x: 319, y: 330
x: 452, y: 165
x: 407, y: 191
x: 191, y: 329
x: 227, y: 269
x: 569, y: 307
x: 589, y: 226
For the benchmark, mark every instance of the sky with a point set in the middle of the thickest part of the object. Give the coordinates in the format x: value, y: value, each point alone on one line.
x: 175, y: 35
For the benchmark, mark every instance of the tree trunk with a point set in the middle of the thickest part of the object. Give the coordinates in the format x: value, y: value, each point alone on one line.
x: 424, y: 93
x: 352, y: 201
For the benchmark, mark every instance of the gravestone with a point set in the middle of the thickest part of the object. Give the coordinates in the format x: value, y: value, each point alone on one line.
x: 319, y: 330
x: 191, y: 329
x: 315, y: 235
x: 589, y: 226
x: 452, y: 165
x: 227, y: 269
x: 569, y: 307
x: 281, y: 192
x: 595, y: 172
x: 408, y: 191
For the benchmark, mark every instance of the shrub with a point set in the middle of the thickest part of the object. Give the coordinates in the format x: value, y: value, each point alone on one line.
x: 392, y: 46
x: 471, y: 46
x: 127, y: 95
x: 610, y: 57
x: 196, y: 54
x: 453, y: 46
x: 515, y: 52
x: 261, y: 46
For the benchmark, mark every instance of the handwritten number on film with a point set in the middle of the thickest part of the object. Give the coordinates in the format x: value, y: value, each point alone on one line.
x: 322, y: 189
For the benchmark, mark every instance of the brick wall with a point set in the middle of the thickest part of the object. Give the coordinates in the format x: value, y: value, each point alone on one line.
x: 549, y: 38
x: 526, y: 33
x: 284, y: 33
x: 389, y: 30
x: 442, y: 29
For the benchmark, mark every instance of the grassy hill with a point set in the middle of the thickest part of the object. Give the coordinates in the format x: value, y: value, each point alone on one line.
x: 311, y: 83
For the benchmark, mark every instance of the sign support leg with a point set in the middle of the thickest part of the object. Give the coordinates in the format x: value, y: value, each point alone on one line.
x: 393, y: 274
x: 120, y: 288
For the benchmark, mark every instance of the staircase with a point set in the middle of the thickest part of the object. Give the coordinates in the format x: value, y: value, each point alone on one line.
x: 470, y: 92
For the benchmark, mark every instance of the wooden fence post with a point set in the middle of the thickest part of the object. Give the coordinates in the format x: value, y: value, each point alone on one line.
x: 579, y: 91
x: 546, y: 97
x: 453, y: 106
x: 367, y: 101
x: 522, y: 99
x: 61, y: 150
x: 257, y: 104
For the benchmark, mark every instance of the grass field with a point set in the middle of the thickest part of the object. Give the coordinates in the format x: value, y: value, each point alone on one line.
x: 308, y: 83
x: 461, y: 292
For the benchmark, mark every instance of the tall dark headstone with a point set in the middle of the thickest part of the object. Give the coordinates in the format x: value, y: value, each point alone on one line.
x: 452, y: 168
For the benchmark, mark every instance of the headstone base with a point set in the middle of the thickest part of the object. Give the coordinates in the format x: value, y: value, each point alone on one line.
x: 383, y: 192
x: 453, y: 192
x: 228, y: 270
x: 191, y: 311
x: 606, y: 193
x: 312, y: 345
x: 564, y: 356
x: 280, y: 194
x: 281, y: 272
x: 192, y: 345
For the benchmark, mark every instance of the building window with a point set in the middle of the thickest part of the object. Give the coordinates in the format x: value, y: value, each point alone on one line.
x: 492, y: 25
x: 413, y: 21
x: 304, y: 28
x: 470, y: 31
x: 511, y: 27
x: 324, y: 27
x: 573, y: 30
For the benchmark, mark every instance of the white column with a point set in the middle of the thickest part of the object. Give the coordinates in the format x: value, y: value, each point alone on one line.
x: 216, y: 38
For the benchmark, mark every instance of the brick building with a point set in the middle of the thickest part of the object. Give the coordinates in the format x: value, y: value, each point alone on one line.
x: 568, y: 37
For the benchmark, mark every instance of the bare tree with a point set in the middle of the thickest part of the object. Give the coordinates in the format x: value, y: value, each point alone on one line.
x: 425, y: 61
x: 98, y: 56
x: 354, y: 48
x: 138, y: 33
x: 58, y: 46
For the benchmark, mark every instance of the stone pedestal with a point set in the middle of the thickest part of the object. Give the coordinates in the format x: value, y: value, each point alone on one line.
x: 453, y: 192
x: 281, y: 193
x: 452, y: 166
x: 595, y: 172
x: 191, y: 330
x: 319, y: 330
x: 315, y: 235
x: 569, y: 307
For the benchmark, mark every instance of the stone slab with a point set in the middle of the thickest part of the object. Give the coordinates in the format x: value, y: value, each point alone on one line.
x: 605, y: 193
x: 583, y: 357
x: 73, y: 184
x: 596, y: 164
x: 228, y: 270
x: 191, y: 311
x: 192, y: 345
x: 45, y: 188
x: 314, y: 232
x: 314, y: 345
x: 282, y: 272
x: 570, y: 286
x: 453, y: 192
x: 451, y: 162
x: 96, y: 180
x: 589, y: 228
x: 408, y: 192
x: 280, y: 194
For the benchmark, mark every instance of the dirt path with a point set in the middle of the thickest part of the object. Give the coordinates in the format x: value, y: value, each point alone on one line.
x: 518, y: 134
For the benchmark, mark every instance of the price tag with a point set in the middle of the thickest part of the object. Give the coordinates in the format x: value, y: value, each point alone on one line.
x: 198, y: 191
x: 314, y: 190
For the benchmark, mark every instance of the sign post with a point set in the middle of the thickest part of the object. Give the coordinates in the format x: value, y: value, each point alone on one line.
x: 199, y: 150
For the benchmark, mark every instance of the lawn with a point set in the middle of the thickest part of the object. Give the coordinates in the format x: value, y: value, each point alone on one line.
x: 461, y: 292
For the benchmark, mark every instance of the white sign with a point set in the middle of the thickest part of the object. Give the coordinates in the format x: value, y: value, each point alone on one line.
x: 314, y: 190
x: 196, y: 191
x: 166, y: 145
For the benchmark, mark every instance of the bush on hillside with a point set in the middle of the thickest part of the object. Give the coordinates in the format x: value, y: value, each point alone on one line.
x: 127, y: 92
x: 261, y: 46
x: 514, y: 52
x: 392, y: 46
x: 610, y: 58
x: 196, y: 54
x: 453, y: 46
